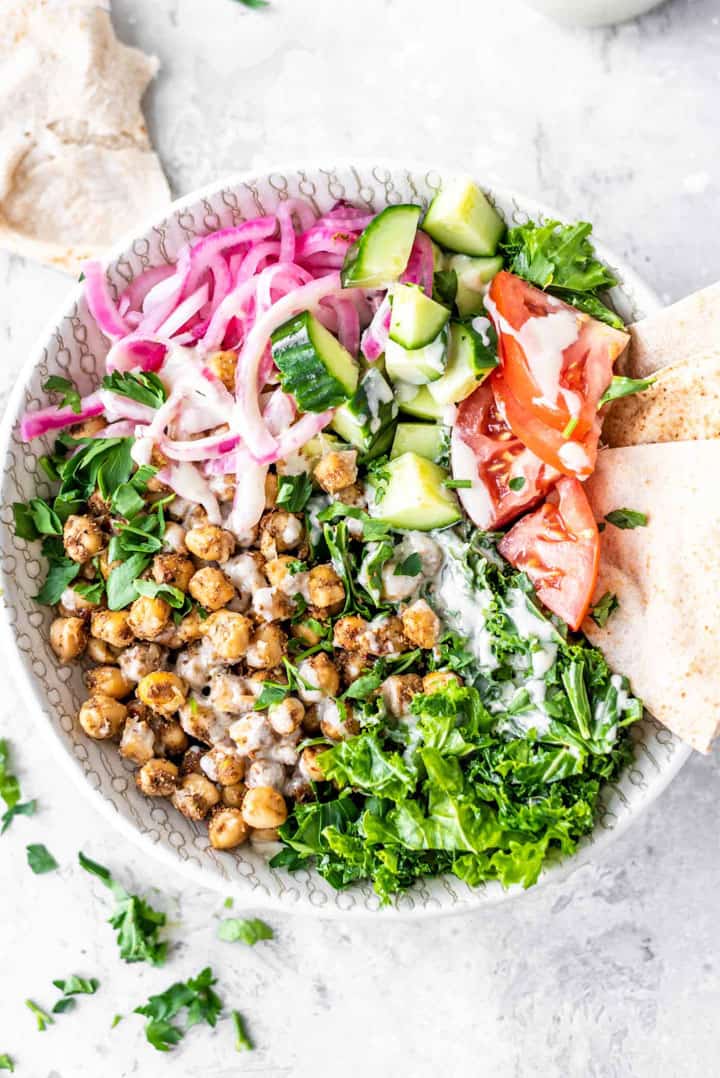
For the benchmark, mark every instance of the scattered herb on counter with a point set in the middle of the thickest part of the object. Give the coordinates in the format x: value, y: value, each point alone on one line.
x: 603, y: 608
x: 117, y: 1019
x: 6, y: 1063
x: 196, y: 995
x: 244, y: 930
x: 136, y: 921
x: 627, y: 518
x: 40, y: 859
x: 242, y: 1040
x: 254, y: 5
x: 10, y: 791
x: 42, y: 1017
x: 74, y: 986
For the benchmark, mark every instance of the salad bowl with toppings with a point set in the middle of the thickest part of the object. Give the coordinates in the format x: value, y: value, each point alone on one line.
x: 297, y: 551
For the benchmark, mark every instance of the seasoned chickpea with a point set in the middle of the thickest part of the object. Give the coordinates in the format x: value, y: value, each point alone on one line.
x: 113, y: 627
x: 352, y: 495
x: 306, y: 632
x: 349, y: 631
x: 72, y: 604
x: 68, y: 637
x: 233, y: 795
x: 106, y: 567
x: 174, y: 539
x: 336, y: 470
x: 264, y: 834
x: 311, y: 721
x: 223, y: 487
x: 271, y: 490
x: 321, y: 674
x: 352, y: 664
x: 223, y: 365
x: 198, y: 721
x: 309, y: 766
x: 211, y: 588
x: 162, y: 692
x: 170, y: 738
x: 210, y: 542
x: 228, y: 634
x: 83, y: 538
x: 231, y: 693
x: 195, y: 796
x: 325, y: 588
x: 102, y: 716
x: 398, y: 691
x: 223, y: 764
x: 157, y: 778
x: 279, y: 532
x: 89, y: 427
x: 385, y: 636
x: 227, y: 828
x: 265, y: 773
x: 421, y: 624
x: 142, y: 659
x: 173, y: 569
x: 137, y: 741
x: 108, y: 680
x: 191, y: 763
x: 100, y: 652
x: 437, y: 680
x: 264, y: 807
x: 334, y: 724
x: 271, y: 604
x: 277, y: 569
x: 191, y: 627
x: 267, y: 647
x: 251, y: 733
x: 148, y: 616
x: 287, y: 715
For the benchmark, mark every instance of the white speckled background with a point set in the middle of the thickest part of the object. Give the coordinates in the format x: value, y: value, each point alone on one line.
x: 613, y: 973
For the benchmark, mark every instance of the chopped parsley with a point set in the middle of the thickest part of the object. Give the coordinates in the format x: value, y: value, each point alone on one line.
x: 71, y: 987
x: 195, y: 996
x: 410, y: 566
x: 624, y: 387
x: 517, y: 483
x: 242, y: 1040
x: 627, y: 518
x: 10, y: 791
x: 457, y: 484
x: 272, y: 692
x: 293, y: 492
x: 40, y: 859
x: 42, y: 1017
x: 603, y: 608
x: 69, y: 396
x: 244, y: 930
x: 137, y: 923
x: 6, y: 1063
x: 141, y: 386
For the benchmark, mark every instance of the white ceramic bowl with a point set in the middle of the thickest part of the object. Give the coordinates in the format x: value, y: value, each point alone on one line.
x: 72, y: 346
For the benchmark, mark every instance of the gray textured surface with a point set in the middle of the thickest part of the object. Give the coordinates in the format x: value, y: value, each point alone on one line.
x: 613, y: 973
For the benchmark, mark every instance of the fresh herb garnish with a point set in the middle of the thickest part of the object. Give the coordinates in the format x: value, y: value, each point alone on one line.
x: 244, y: 930
x: 6, y: 1063
x: 254, y: 5
x: 457, y: 484
x: 74, y: 986
x: 141, y: 386
x: 69, y: 396
x: 627, y: 518
x: 137, y: 923
x: 603, y: 608
x: 120, y: 584
x: 570, y: 427
x: 445, y: 284
x: 242, y: 1040
x: 624, y: 387
x: 516, y: 483
x: 93, y: 590
x: 410, y: 566
x: 272, y: 692
x: 42, y: 1017
x: 293, y: 492
x: 40, y: 859
x: 10, y: 791
x: 195, y: 995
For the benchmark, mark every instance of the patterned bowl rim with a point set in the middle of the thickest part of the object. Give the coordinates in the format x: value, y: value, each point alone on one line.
x: 32, y: 691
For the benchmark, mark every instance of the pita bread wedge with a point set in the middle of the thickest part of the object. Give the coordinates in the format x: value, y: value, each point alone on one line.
x: 687, y: 328
x: 76, y: 165
x: 683, y: 404
x: 665, y: 634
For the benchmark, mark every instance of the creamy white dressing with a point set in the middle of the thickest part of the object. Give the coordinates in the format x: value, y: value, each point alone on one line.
x: 574, y: 457
x: 461, y: 606
x: 377, y: 393
x: 475, y: 499
x: 481, y: 326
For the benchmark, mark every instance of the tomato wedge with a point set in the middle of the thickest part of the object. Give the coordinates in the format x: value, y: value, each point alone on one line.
x: 556, y: 362
x: 558, y: 546
x: 485, y: 452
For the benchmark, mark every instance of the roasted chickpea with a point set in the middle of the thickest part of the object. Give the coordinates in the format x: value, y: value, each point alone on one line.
x: 224, y: 765
x: 398, y: 691
x: 279, y: 532
x: 437, y: 680
x: 162, y: 692
x: 210, y: 542
x: 231, y: 693
x: 334, y: 725
x: 311, y: 721
x: 68, y: 637
x: 148, y: 616
x: 100, y: 652
x: 108, y: 680
x: 223, y: 487
x: 170, y: 738
x: 173, y: 569
x: 174, y: 539
x: 264, y: 807
x: 198, y: 721
x: 233, y: 795
x: 271, y: 604
x: 211, y: 588
x: 265, y: 773
x: 385, y: 636
x: 352, y: 495
x: 320, y: 672
x: 421, y: 624
x: 349, y: 633
x: 306, y: 632
x: 223, y: 365
x: 277, y: 569
x: 352, y: 664
x: 72, y: 604
x: 195, y: 796
x: 336, y: 470
x: 157, y: 778
x: 261, y: 835
x: 106, y: 567
x: 251, y: 733
x: 227, y: 828
x: 137, y: 741
x: 89, y: 427
x: 228, y: 634
x: 83, y: 538
x: 287, y: 715
x: 266, y: 647
x: 309, y: 766
x: 191, y: 763
x: 102, y: 716
x: 325, y: 588
x: 191, y: 628
x: 142, y: 659
x: 113, y: 627
x: 271, y: 490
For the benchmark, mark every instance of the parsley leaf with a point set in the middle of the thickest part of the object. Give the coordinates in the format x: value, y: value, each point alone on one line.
x: 126, y: 501
x: 624, y: 387
x: 445, y: 284
x: 411, y: 566
x: 58, y: 578
x: 603, y: 608
x: 6, y: 1063
x: 40, y: 859
x: 364, y: 686
x: 43, y: 1018
x: 141, y: 386
x: 74, y: 986
x: 458, y: 484
x: 242, y: 1040
x: 627, y: 518
x: 244, y: 930
x: 272, y: 692
x: 254, y: 5
x: 136, y: 921
x: 26, y: 808
x: 517, y: 483
x: 173, y: 596
x: 196, y: 995
x: 10, y: 791
x: 121, y: 583
x: 69, y: 396
x: 294, y: 492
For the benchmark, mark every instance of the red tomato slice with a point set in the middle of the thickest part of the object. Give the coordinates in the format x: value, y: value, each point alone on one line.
x: 558, y: 546
x: 556, y: 360
x: 485, y: 451
x: 571, y: 456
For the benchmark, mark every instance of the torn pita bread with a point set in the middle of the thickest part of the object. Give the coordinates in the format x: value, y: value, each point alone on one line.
x: 683, y: 404
x: 687, y: 328
x: 664, y: 635
x: 76, y: 166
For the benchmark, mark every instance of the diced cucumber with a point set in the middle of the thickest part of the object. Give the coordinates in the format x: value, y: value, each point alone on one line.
x: 425, y: 439
x: 416, y: 318
x: 417, y: 365
x: 367, y: 419
x: 472, y: 275
x: 461, y: 219
x: 380, y: 254
x: 414, y: 496
x: 314, y: 367
x: 470, y: 360
x: 417, y: 401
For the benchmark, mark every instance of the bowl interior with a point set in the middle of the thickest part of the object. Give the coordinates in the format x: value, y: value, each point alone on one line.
x: 74, y: 347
